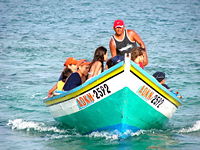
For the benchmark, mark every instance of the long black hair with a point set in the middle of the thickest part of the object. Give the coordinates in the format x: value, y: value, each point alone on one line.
x: 99, y: 55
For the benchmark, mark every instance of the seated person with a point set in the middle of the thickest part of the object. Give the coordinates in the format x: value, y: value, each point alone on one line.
x: 71, y: 64
x: 97, y: 67
x: 137, y: 55
x: 160, y: 77
x: 60, y: 84
x: 77, y: 78
x: 113, y: 61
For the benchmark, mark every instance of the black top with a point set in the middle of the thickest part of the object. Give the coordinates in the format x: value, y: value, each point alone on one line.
x: 124, y: 46
x: 166, y: 86
x: 73, y: 81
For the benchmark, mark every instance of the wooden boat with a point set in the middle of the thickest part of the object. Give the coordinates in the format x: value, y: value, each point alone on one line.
x: 124, y: 97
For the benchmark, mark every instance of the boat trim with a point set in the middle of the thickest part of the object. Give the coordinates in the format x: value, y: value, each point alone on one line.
x: 154, y: 85
x: 87, y: 86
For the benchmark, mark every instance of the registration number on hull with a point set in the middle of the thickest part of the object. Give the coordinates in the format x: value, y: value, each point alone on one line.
x: 90, y: 97
x: 151, y: 96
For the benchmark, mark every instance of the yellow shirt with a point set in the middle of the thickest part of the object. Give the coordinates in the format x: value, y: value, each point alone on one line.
x: 60, y: 85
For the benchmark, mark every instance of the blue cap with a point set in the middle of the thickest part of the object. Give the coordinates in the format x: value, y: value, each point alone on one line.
x: 159, y: 76
x: 117, y: 59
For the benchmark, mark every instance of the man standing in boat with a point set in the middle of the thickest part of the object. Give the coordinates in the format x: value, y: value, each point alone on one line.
x: 124, y: 40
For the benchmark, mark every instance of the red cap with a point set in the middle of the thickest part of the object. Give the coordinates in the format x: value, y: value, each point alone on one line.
x: 118, y: 23
x: 83, y: 62
x: 70, y: 61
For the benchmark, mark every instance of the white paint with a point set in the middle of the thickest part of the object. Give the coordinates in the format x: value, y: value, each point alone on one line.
x: 115, y: 84
x: 71, y: 106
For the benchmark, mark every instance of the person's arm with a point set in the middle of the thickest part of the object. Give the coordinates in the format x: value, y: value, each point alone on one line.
x: 112, y: 48
x: 135, y: 37
x: 94, y: 71
x: 50, y: 93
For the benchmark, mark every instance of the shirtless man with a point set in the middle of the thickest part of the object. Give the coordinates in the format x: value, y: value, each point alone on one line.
x: 124, y: 40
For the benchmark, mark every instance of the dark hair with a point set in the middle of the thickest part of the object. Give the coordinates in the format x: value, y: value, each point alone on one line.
x: 110, y: 63
x: 114, y: 60
x: 99, y: 55
x: 135, y: 52
x: 159, y: 76
x: 66, y: 73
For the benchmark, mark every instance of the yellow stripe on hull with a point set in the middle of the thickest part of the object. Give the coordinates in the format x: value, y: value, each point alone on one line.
x: 152, y: 84
x: 86, y: 88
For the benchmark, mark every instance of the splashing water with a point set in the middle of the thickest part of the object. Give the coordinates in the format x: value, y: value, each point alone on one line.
x: 114, y: 135
x: 20, y: 124
x: 196, y: 127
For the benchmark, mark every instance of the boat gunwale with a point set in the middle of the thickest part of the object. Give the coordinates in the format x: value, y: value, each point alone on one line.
x: 156, y: 83
x: 173, y: 99
x: 92, y: 80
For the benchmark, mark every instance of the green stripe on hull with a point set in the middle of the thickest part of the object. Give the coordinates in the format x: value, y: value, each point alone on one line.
x: 122, y: 107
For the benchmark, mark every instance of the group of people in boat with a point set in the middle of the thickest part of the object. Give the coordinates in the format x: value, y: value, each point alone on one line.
x: 76, y: 72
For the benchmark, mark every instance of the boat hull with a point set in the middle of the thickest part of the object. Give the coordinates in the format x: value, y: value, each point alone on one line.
x: 122, y: 98
x: 116, y: 112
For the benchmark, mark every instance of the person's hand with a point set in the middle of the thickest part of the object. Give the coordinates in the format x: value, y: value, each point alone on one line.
x: 49, y: 95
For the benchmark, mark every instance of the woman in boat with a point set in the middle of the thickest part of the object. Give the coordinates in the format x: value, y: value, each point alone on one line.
x: 138, y: 56
x: 78, y: 77
x: 70, y: 65
x: 100, y: 56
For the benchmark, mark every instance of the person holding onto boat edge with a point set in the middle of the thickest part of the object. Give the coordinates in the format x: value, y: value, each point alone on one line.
x: 70, y: 65
x: 160, y: 77
x: 77, y: 78
x: 124, y: 40
x: 59, y: 86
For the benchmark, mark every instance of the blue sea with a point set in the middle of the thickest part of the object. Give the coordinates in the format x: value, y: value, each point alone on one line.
x: 36, y: 36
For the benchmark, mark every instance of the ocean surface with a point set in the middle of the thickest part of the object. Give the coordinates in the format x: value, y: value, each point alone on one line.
x: 36, y: 36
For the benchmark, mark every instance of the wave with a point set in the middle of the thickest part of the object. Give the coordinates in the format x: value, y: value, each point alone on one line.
x: 55, y: 133
x: 115, y: 135
x: 194, y: 128
x: 20, y: 124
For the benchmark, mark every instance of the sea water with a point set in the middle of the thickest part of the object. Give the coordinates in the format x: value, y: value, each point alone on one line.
x: 37, y: 36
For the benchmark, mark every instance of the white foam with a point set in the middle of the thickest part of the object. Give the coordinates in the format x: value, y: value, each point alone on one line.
x: 114, y: 135
x: 35, y: 95
x: 104, y: 134
x: 130, y: 133
x: 196, y: 127
x: 20, y: 124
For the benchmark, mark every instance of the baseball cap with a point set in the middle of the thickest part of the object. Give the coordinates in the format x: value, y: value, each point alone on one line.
x: 159, y: 76
x: 114, y: 60
x: 118, y: 23
x: 117, y: 59
x: 83, y: 62
x: 70, y: 61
